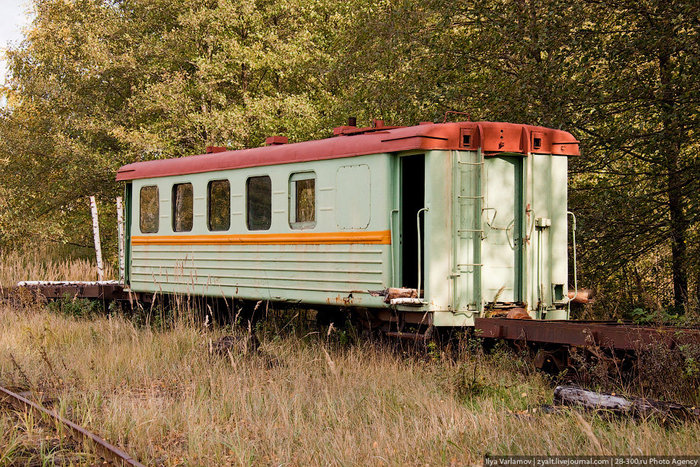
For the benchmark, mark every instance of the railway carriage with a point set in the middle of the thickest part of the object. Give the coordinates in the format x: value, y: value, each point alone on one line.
x: 437, y: 223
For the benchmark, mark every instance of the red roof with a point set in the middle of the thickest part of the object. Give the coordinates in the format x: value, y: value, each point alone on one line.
x: 492, y: 137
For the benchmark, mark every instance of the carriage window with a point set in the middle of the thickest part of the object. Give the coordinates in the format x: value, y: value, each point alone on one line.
x: 182, y: 207
x: 302, y: 197
x: 259, y: 203
x: 148, y: 207
x: 219, y: 205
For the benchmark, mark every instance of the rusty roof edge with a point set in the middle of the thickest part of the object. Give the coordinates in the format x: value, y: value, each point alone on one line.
x: 404, y: 138
x: 243, y: 166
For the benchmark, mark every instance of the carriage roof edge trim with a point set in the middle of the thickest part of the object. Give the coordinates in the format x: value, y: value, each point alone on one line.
x: 491, y: 137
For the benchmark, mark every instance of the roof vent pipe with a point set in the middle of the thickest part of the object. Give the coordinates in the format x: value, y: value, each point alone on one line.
x: 213, y: 149
x: 352, y: 121
x: 276, y: 140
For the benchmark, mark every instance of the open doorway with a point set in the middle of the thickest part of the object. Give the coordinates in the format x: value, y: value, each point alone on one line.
x: 412, y: 200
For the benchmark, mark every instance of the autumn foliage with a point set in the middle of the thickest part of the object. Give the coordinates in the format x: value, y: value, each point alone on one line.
x: 97, y: 84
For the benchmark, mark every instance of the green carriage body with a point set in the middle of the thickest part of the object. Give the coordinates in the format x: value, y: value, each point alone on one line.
x: 472, y: 215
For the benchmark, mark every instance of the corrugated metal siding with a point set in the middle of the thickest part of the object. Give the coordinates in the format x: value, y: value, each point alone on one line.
x: 310, y: 273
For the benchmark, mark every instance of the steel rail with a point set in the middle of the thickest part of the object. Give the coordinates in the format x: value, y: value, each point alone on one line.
x: 106, y: 450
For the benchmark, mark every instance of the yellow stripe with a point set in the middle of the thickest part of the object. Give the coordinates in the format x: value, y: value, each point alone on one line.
x: 382, y: 237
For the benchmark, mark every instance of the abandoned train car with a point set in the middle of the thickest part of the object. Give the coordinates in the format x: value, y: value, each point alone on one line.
x: 470, y: 217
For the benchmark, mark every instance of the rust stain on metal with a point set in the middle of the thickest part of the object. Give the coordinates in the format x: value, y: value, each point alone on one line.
x: 518, y: 313
x: 107, y: 451
x: 343, y: 300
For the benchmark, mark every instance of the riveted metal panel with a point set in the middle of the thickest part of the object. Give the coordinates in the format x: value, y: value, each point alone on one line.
x: 467, y: 230
x: 499, y: 216
x: 437, y: 230
x: 547, y: 254
x: 353, y: 197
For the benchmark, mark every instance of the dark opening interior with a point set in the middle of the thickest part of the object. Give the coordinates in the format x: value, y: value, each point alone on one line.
x: 412, y: 199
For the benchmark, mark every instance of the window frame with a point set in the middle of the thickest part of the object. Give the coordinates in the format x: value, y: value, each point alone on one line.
x: 292, y: 207
x: 157, y: 213
x: 209, y: 205
x: 173, y: 204
x: 248, y: 206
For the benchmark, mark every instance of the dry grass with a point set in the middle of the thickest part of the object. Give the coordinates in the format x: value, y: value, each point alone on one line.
x: 167, y: 399
x: 41, y: 264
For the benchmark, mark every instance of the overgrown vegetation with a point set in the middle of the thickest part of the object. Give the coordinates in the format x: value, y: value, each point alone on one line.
x: 100, y: 83
x: 161, y: 382
x: 655, y: 371
x: 305, y: 398
x: 46, y: 265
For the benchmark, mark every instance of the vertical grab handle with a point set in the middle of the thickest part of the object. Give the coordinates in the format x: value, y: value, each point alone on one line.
x: 420, y: 266
x: 573, y: 237
x: 391, y: 246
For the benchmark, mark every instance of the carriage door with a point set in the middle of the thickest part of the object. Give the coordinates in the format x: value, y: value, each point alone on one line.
x: 126, y: 251
x: 502, y: 220
x: 412, y: 200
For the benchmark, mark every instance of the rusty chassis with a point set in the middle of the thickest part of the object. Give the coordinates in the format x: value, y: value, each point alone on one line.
x: 603, y: 334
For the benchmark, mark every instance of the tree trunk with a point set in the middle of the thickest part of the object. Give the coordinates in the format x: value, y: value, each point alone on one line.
x: 697, y: 285
x: 635, y: 407
x: 670, y: 149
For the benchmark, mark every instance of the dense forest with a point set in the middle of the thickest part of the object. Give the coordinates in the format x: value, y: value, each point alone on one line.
x: 99, y: 83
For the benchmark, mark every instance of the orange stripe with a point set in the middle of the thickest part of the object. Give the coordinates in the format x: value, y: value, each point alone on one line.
x: 382, y: 237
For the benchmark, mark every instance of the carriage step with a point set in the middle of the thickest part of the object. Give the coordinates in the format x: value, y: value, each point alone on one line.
x: 408, y: 301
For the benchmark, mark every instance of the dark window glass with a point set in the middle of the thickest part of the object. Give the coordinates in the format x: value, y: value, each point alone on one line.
x: 219, y: 197
x: 259, y: 203
x: 302, y: 213
x: 182, y: 207
x: 149, y: 209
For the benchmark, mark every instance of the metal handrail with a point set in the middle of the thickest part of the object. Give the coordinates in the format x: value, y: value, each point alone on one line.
x: 420, y: 265
x: 391, y: 247
x: 573, y: 235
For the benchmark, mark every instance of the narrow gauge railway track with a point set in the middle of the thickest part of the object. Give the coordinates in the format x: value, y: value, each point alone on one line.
x: 107, y: 451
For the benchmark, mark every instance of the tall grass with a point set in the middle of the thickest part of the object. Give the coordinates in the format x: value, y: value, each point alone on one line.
x: 43, y: 264
x: 154, y: 384
x: 168, y: 399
